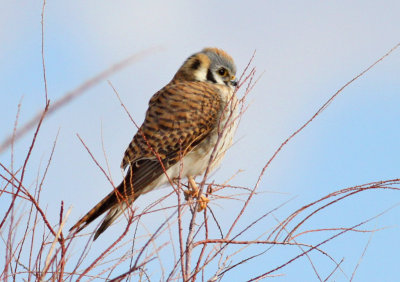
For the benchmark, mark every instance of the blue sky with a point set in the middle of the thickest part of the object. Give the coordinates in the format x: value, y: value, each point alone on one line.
x: 306, y: 51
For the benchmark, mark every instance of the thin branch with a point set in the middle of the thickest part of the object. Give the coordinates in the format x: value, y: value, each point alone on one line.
x: 43, y: 60
x: 320, y: 110
x: 362, y: 256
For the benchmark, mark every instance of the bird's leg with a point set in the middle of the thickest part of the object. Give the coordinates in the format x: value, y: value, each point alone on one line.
x: 193, y: 191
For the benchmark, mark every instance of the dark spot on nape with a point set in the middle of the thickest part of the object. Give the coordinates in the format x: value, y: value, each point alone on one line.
x: 196, y: 64
x: 210, y: 76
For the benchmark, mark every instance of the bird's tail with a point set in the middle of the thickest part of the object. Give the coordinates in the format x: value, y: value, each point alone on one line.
x: 110, y: 217
x: 115, y: 206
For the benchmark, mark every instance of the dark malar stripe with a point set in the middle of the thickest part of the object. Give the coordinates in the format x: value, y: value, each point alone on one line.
x: 210, y: 76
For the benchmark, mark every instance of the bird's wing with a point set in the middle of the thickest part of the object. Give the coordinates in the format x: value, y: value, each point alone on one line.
x: 179, y: 117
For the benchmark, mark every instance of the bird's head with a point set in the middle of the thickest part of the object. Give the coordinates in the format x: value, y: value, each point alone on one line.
x: 211, y: 65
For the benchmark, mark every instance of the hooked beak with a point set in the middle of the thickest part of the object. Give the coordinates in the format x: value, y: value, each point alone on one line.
x: 234, y: 81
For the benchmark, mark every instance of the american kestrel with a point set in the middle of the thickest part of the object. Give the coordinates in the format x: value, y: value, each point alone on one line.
x: 189, y: 125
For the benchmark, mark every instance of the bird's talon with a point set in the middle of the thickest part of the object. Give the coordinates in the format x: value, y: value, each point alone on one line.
x: 190, y: 194
x: 194, y: 193
x: 203, y: 201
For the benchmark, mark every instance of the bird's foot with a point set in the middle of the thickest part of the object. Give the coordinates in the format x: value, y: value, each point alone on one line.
x: 193, y: 192
x: 203, y: 201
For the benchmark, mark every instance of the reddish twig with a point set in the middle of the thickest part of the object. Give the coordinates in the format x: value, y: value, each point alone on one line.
x: 102, y: 255
x: 43, y: 60
x: 320, y: 110
x: 320, y: 244
x: 25, y: 164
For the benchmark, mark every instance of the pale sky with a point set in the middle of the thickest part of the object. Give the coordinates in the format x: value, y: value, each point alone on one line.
x: 306, y: 51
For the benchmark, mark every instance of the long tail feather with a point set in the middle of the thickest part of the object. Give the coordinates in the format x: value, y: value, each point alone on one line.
x: 95, y: 212
x: 116, y: 204
x: 111, y: 216
x: 113, y: 204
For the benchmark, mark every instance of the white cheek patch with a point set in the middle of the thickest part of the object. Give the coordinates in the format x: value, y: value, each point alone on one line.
x: 218, y: 79
x: 201, y: 74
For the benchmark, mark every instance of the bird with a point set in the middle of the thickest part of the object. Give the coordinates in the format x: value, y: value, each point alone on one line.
x: 188, y: 126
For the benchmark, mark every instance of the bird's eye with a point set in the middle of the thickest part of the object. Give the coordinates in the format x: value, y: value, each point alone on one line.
x: 222, y: 72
